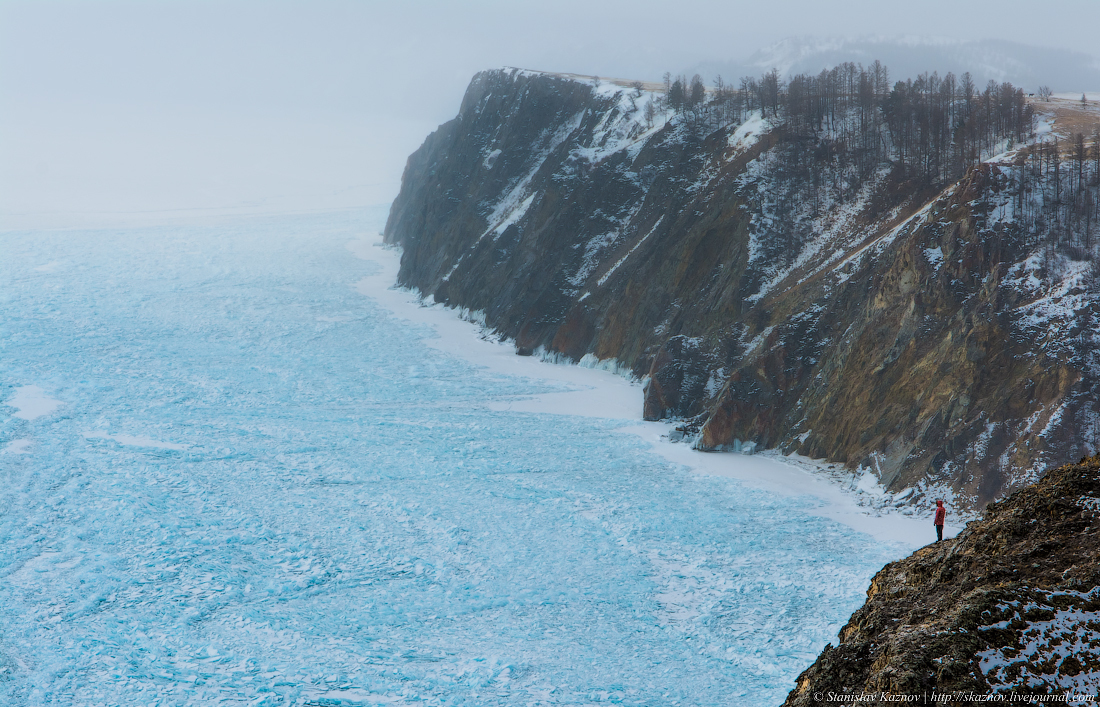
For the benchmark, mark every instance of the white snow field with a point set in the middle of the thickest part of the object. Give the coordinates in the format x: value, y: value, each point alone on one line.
x: 229, y: 477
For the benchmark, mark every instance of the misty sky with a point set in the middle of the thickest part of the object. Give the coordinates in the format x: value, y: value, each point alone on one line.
x: 112, y: 108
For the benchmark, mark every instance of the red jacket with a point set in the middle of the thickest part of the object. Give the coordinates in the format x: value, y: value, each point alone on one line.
x: 941, y: 513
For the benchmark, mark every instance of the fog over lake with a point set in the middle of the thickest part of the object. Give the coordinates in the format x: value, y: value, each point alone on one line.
x: 116, y: 108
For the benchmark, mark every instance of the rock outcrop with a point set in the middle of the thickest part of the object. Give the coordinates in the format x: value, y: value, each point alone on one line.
x: 1011, y: 607
x: 835, y: 310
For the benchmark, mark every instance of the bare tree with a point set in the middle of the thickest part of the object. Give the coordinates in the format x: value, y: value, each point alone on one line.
x: 634, y: 95
x: 769, y: 90
x: 1096, y: 155
x: 748, y: 92
x: 1044, y: 93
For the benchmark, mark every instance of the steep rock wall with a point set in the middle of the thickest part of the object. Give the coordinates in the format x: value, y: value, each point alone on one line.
x: 914, y: 334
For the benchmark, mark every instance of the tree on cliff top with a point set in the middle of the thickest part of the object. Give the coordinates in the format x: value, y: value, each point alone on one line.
x: 676, y: 95
x: 698, y: 91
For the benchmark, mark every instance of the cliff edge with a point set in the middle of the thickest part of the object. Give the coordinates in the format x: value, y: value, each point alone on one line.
x: 778, y: 281
x: 1011, y: 607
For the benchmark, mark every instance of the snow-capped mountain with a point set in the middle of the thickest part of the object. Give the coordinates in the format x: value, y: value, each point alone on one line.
x: 908, y: 56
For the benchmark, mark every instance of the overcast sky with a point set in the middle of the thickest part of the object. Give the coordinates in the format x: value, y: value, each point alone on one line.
x: 113, y: 107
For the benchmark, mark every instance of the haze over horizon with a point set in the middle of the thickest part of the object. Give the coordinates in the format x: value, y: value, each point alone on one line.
x: 117, y: 108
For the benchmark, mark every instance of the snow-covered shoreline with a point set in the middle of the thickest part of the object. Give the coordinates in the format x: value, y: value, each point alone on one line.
x: 603, y: 394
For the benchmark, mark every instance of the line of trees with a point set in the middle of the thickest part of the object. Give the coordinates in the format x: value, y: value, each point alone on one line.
x: 932, y: 128
x: 939, y: 127
x: 683, y: 95
x: 1054, y: 196
x: 845, y: 126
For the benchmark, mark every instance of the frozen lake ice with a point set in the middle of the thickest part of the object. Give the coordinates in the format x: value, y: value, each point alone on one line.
x: 228, y: 477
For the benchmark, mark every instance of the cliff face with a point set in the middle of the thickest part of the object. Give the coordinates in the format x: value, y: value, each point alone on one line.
x: 822, y: 307
x: 1012, y: 605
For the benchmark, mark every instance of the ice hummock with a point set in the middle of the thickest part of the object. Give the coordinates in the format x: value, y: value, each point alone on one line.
x: 264, y: 489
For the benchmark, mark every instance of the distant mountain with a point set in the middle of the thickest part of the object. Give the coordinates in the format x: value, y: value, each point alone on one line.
x: 906, y: 57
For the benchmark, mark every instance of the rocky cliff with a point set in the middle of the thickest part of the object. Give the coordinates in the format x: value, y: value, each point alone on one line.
x: 768, y: 290
x: 1011, y: 606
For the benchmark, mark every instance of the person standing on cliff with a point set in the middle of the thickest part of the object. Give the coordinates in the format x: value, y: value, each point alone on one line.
x: 941, y: 514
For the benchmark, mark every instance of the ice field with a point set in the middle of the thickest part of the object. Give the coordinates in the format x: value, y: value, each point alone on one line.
x: 228, y: 477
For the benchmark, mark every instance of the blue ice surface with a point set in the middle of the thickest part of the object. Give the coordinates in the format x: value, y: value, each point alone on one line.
x: 349, y: 524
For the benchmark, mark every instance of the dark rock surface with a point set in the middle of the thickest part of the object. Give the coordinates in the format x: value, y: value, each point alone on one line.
x: 1010, y: 606
x: 919, y: 334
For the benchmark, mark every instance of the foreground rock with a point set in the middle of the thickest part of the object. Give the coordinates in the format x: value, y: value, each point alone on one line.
x: 1010, y: 606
